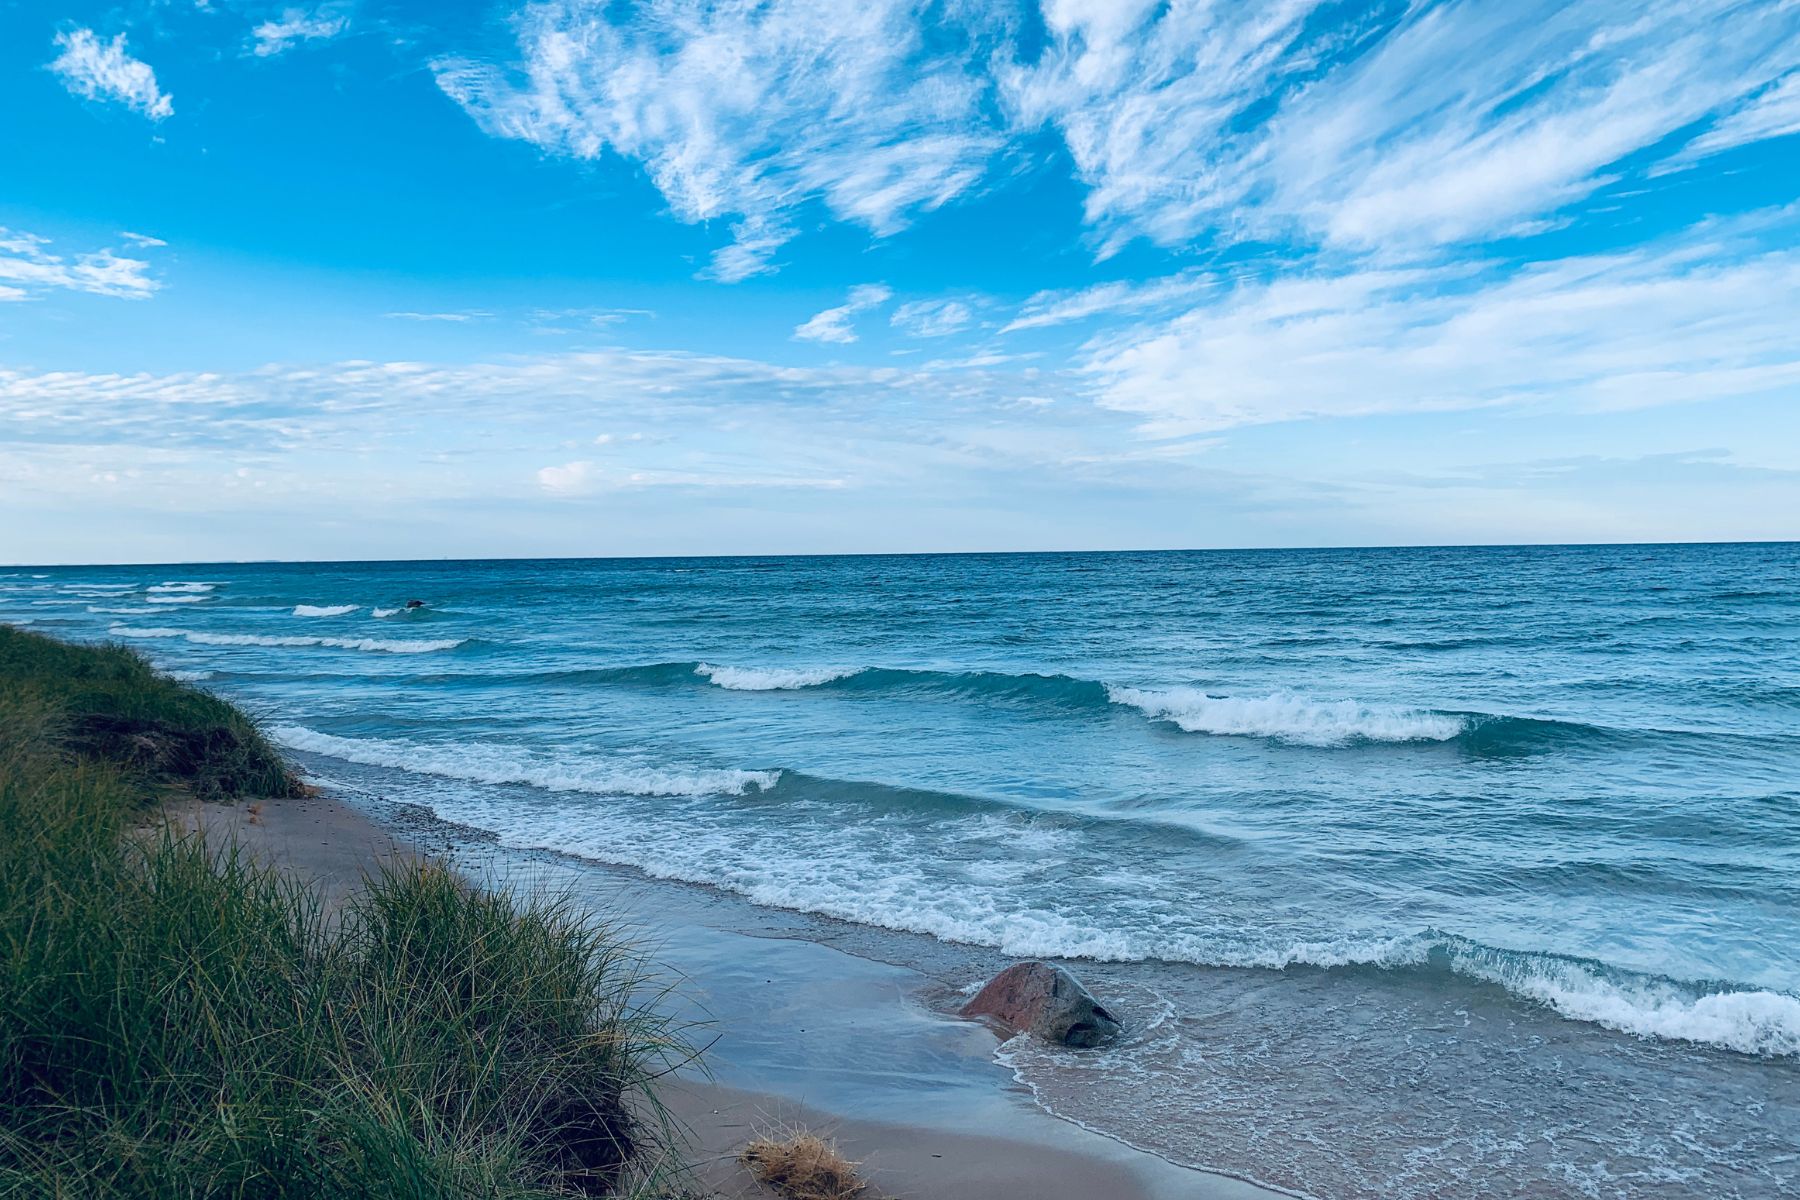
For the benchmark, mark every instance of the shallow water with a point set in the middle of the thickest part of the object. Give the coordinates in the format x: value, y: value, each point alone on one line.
x: 1416, y: 870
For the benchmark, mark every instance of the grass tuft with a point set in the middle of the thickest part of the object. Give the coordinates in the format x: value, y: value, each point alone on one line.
x: 109, y: 703
x: 802, y: 1166
x: 179, y: 1021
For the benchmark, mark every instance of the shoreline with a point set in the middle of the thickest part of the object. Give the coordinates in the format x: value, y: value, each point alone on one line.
x: 870, y: 1096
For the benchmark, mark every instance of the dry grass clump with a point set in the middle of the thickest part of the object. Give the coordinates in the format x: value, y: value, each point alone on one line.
x: 802, y: 1166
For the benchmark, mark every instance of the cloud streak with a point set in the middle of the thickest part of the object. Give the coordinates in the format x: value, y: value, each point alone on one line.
x: 833, y: 324
x: 296, y: 25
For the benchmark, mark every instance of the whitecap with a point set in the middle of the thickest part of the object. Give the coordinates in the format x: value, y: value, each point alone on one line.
x: 324, y: 610
x: 1286, y: 717
x: 772, y: 679
x: 181, y: 587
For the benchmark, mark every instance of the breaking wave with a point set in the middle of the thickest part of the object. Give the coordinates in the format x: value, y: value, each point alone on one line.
x: 325, y: 610
x: 1289, y: 718
x: 771, y: 679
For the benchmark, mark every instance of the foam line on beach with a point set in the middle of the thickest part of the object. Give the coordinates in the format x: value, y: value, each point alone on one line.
x: 487, y: 764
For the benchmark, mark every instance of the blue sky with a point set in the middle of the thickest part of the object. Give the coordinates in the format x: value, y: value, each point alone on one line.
x: 363, y: 279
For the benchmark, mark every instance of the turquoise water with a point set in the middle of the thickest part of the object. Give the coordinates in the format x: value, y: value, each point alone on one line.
x: 1569, y: 777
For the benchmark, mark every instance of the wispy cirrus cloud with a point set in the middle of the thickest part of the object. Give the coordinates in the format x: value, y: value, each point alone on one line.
x: 1706, y: 315
x: 28, y: 269
x: 1114, y: 298
x: 457, y: 317
x: 296, y: 25
x: 833, y: 324
x: 103, y: 70
x: 1452, y: 122
x: 932, y: 318
x: 747, y: 113
x: 1390, y: 129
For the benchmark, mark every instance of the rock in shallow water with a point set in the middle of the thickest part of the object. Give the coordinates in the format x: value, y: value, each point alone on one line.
x: 1046, y: 1001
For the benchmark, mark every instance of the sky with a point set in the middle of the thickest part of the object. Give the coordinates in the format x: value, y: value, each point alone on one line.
x: 369, y: 279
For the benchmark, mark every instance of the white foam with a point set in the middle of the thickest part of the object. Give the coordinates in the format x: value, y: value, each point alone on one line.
x: 772, y: 679
x: 176, y: 599
x: 377, y: 645
x: 181, y: 587
x: 119, y: 612
x: 102, y: 587
x: 324, y: 610
x: 189, y: 676
x: 1286, y: 717
x: 384, y: 612
x: 480, y: 763
x: 1749, y: 1021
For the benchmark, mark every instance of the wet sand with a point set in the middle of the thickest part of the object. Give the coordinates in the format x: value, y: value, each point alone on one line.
x: 798, y: 1034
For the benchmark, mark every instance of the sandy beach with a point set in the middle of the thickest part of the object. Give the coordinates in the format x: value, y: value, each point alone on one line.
x: 912, y: 1095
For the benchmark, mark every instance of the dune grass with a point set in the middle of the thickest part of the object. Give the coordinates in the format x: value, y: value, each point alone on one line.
x: 177, y: 1021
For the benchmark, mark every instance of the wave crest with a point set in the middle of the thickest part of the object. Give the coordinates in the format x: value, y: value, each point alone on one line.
x: 772, y: 679
x: 1287, y: 717
x: 324, y: 610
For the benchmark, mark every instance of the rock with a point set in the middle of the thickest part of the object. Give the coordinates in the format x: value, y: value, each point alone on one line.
x: 1047, y: 1001
x: 415, y: 604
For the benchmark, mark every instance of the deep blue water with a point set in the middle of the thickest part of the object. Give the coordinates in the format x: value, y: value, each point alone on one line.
x: 1573, y: 773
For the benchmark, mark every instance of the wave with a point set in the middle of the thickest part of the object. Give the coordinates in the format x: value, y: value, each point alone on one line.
x: 1289, y: 718
x: 181, y: 587
x: 324, y: 610
x: 184, y: 599
x: 376, y: 645
x: 772, y: 679
x: 385, y: 612
x: 1285, y: 717
x: 881, y: 873
x: 101, y: 587
x: 120, y: 612
x: 478, y: 763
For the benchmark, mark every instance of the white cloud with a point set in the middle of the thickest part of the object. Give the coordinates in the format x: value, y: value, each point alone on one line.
x: 1462, y: 121
x: 296, y: 25
x: 142, y: 240
x: 932, y: 318
x: 1698, y: 317
x: 568, y: 479
x: 104, y: 71
x: 1772, y: 113
x: 833, y: 324
x: 28, y: 268
x: 471, y: 314
x: 1062, y: 308
x: 747, y: 112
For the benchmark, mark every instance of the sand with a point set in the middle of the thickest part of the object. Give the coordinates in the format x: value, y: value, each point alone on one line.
x: 964, y: 1136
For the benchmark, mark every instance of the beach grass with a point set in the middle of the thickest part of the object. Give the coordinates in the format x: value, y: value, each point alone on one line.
x: 178, y: 1020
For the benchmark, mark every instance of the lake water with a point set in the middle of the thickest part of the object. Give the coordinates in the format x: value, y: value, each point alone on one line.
x: 1415, y: 872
